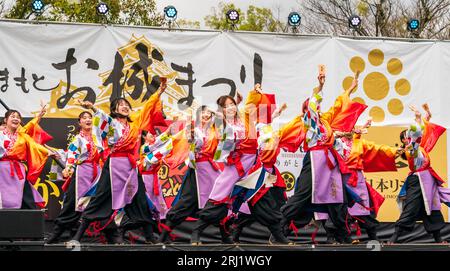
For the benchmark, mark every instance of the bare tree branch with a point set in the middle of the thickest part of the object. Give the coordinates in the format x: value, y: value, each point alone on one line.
x: 387, y: 18
x: 2, y: 7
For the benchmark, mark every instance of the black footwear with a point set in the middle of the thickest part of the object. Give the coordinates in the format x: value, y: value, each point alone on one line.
x: 148, y: 234
x: 393, y: 239
x: 195, y: 238
x: 395, y: 236
x: 57, y: 232
x: 196, y: 233
x: 73, y: 232
x: 330, y: 231
x: 330, y: 240
x: 164, y: 237
x: 372, y: 233
x: 81, y: 229
x: 280, y: 240
x: 343, y: 238
x: 236, y: 234
x: 225, y: 237
x: 114, y: 236
x: 397, y: 233
x: 277, y: 236
x: 437, y: 236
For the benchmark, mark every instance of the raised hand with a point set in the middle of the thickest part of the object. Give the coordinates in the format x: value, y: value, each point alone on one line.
x: 354, y: 85
x: 416, y: 113
x: 53, y: 154
x: 43, y: 110
x: 360, y: 131
x: 239, y: 97
x: 163, y: 85
x: 321, y: 79
x: 339, y: 134
x: 85, y: 104
x: 257, y: 88
x: 368, y: 123
x: 279, y: 110
x: 415, y: 110
x: 427, y: 111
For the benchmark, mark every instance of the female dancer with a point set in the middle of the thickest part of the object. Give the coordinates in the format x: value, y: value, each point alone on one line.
x: 320, y: 184
x: 201, y: 174
x: 237, y: 148
x: 152, y: 152
x: 266, y: 199
x: 364, y: 156
x: 120, y: 188
x: 82, y: 171
x: 21, y: 163
x: 422, y: 191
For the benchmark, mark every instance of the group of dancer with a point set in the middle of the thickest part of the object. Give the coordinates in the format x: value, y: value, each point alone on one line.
x: 111, y: 170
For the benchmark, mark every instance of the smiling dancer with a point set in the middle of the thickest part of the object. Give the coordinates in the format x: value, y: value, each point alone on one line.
x: 423, y: 190
x: 320, y: 185
x: 82, y: 171
x: 237, y: 148
x: 21, y: 162
x: 120, y: 188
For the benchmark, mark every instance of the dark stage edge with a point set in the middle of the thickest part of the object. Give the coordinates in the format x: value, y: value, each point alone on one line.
x: 40, y: 246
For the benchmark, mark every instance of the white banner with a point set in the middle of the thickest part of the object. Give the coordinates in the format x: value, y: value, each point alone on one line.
x: 35, y: 61
x: 59, y: 63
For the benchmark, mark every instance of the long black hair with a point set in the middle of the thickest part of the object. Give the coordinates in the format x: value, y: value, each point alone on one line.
x: 198, y: 114
x: 402, y: 137
x: 113, y: 106
x: 221, y: 106
x: 143, y: 135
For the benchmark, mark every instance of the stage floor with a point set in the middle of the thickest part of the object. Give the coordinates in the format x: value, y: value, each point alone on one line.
x: 40, y: 246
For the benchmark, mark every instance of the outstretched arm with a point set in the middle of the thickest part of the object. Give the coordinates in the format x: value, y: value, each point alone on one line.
x: 321, y: 79
x: 417, y: 115
x: 353, y: 86
x: 278, y: 111
x: 427, y: 112
x: 29, y: 127
x: 87, y: 105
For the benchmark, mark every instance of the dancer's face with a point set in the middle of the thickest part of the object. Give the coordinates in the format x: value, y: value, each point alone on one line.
x: 123, y: 108
x: 149, y: 138
x: 206, y: 115
x: 13, y: 121
x: 405, y: 141
x: 230, y: 109
x: 85, y: 122
x: 403, y: 138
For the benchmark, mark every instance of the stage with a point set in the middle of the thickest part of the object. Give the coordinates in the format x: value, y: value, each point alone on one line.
x: 180, y: 247
x: 253, y: 238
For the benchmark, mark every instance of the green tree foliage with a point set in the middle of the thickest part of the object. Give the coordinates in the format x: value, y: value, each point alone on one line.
x: 129, y: 12
x: 255, y: 19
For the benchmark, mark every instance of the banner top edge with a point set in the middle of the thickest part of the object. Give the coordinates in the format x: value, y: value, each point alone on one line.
x: 221, y: 31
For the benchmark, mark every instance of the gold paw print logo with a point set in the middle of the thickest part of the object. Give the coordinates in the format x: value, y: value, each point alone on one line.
x: 289, y: 180
x: 378, y: 80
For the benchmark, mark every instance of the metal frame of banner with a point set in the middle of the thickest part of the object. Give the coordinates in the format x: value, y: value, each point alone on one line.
x: 221, y: 31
